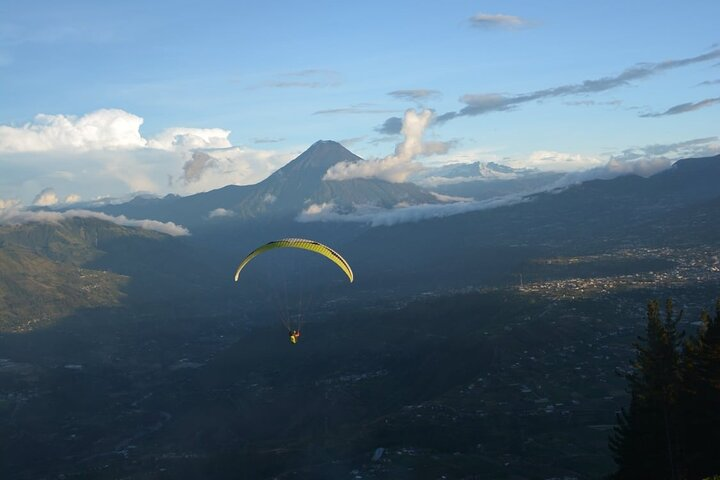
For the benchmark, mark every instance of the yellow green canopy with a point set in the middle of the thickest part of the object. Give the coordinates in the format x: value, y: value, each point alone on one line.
x: 302, y: 244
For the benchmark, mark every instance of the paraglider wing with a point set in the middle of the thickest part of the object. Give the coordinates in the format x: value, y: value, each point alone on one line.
x: 303, y: 244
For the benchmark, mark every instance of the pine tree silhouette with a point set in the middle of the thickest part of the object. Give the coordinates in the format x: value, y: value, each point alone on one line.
x: 646, y: 441
x: 700, y: 399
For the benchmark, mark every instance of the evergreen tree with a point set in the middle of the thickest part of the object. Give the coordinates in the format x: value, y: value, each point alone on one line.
x: 645, y: 443
x: 700, y: 399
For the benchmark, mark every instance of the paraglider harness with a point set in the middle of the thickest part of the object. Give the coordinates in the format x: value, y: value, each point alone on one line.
x: 294, y: 335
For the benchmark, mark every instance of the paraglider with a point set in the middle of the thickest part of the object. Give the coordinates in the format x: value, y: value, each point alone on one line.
x: 303, y: 244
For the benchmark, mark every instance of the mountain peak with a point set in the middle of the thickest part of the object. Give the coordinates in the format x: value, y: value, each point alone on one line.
x: 321, y: 155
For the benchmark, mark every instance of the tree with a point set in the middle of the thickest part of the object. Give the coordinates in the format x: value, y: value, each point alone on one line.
x: 645, y: 443
x: 700, y: 399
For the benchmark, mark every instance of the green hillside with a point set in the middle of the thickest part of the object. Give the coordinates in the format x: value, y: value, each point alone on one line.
x: 44, y: 271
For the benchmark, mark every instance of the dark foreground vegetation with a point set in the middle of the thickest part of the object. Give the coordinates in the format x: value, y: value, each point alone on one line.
x: 671, y: 430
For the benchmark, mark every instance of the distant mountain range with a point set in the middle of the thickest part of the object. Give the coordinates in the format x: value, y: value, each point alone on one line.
x: 299, y: 185
x: 284, y: 194
x: 459, y: 172
x: 484, y: 180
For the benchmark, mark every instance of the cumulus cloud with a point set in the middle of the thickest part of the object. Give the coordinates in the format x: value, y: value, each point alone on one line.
x: 46, y: 198
x: 316, y: 209
x: 685, y: 107
x: 7, y: 204
x: 393, y: 168
x: 106, y: 129
x: 16, y: 216
x: 103, y: 153
x: 497, y: 20
x: 478, y: 104
x: 190, y: 139
x: 221, y: 212
x: 72, y: 198
x: 102, y: 130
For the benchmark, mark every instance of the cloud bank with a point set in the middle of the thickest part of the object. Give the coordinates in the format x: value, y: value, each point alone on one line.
x: 551, y: 161
x: 106, y: 129
x: 376, y: 216
x: 17, y: 216
x: 103, y: 153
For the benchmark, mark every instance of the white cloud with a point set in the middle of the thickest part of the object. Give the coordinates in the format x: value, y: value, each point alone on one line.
x: 72, y: 198
x: 211, y: 169
x: 46, y: 198
x: 319, y: 209
x: 221, y: 212
x: 9, y: 204
x: 377, y: 216
x: 103, y: 153
x: 437, y: 148
x: 190, y: 139
x: 16, y: 216
x: 450, y: 198
x: 551, y: 161
x: 133, y: 171
x: 106, y: 129
x: 644, y: 167
x: 269, y: 198
x: 396, y: 167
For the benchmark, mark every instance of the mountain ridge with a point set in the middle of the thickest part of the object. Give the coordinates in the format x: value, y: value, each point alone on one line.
x: 284, y: 194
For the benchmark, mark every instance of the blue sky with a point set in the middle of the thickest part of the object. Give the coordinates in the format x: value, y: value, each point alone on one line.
x: 132, y: 91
